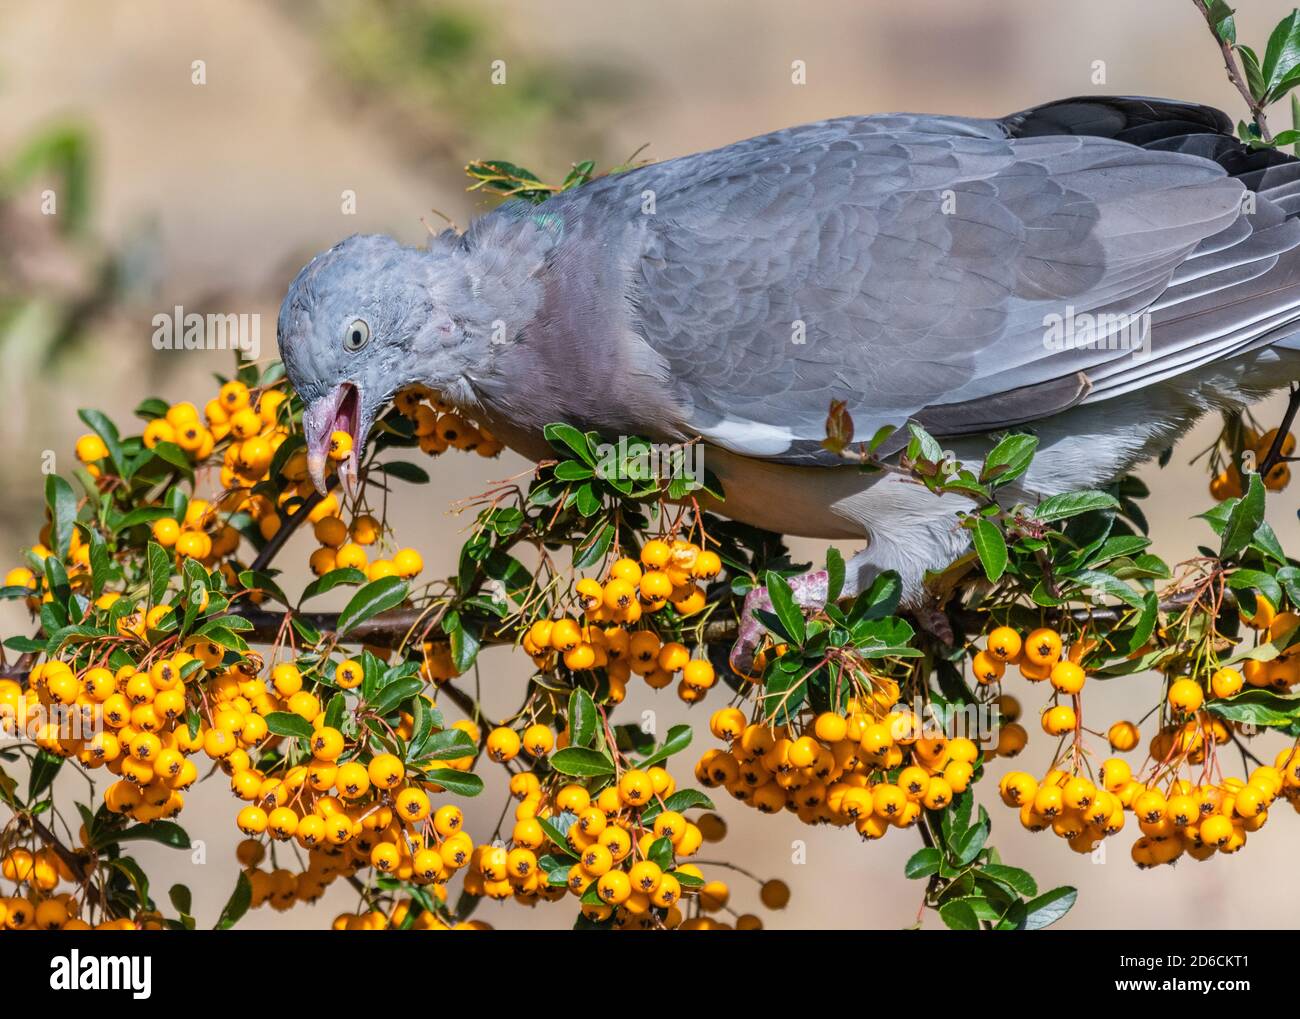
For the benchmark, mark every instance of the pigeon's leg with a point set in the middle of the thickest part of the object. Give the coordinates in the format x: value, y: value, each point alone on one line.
x: 908, y: 531
x: 809, y: 591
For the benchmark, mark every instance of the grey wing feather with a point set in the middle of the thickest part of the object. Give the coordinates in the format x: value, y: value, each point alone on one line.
x: 910, y: 266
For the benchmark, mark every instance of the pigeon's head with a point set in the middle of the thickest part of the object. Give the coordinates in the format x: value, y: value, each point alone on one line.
x: 361, y: 321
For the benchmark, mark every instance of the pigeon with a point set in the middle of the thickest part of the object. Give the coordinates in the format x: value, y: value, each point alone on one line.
x: 1099, y: 271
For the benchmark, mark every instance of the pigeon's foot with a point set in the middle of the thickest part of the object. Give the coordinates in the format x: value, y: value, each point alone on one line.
x: 809, y: 591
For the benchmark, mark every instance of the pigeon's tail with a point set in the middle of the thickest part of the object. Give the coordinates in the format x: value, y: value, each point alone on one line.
x: 1240, y: 289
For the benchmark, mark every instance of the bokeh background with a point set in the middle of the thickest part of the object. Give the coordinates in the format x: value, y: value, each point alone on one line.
x: 211, y: 196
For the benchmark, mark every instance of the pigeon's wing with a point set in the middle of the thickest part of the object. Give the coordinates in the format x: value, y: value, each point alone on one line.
x: 937, y: 269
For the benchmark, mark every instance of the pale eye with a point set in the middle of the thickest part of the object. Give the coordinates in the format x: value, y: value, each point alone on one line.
x: 357, y: 335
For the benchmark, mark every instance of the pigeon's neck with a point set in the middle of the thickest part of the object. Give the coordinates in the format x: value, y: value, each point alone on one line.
x: 504, y: 256
x: 554, y: 288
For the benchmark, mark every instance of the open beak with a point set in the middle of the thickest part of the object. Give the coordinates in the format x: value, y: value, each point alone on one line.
x: 337, y: 411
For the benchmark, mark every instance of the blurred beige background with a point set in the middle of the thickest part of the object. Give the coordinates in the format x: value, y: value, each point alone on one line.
x: 211, y: 196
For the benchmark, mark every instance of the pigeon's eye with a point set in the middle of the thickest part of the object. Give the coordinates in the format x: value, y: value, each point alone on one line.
x: 357, y: 335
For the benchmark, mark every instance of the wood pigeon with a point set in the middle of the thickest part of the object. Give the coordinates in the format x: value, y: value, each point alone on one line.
x: 1101, y: 271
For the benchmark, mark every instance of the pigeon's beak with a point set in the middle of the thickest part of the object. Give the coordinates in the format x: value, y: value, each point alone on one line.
x: 337, y: 411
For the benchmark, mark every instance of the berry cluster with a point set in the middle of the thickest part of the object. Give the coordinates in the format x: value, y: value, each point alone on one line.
x: 619, y: 851
x: 1175, y: 813
x: 874, y: 767
x: 1229, y: 482
x: 607, y: 637
x: 148, y: 705
x: 438, y: 427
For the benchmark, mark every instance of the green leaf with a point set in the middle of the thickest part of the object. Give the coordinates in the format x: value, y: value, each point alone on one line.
x: 45, y: 766
x: 923, y: 445
x: 956, y: 819
x: 1219, y: 15
x: 1145, y: 625
x: 107, y: 431
x: 394, y: 694
x: 140, y: 515
x: 1281, y: 55
x: 1265, y: 541
x: 331, y: 580
x: 1261, y: 708
x: 923, y: 863
x: 1108, y: 584
x: 587, y: 501
x: 879, y: 600
x: 884, y: 638
x: 990, y: 546
x: 1256, y: 580
x: 783, y: 604
x: 151, y: 408
x: 593, y: 547
x: 581, y: 761
x: 661, y: 853
x: 376, y: 597
x: 237, y: 905
x: 1019, y: 881
x: 219, y: 632
x: 464, y: 645
x: 785, y: 686
x: 687, y: 880
x: 160, y: 572
x: 404, y: 471
x: 563, y: 436
x: 168, y: 833
x: 62, y: 504
x: 56, y: 578
x: 583, y: 719
x: 573, y: 470
x: 1049, y: 907
x: 834, y: 575
x: 181, y: 898
x: 682, y: 800
x: 286, y: 723
x: 139, y: 880
x: 1117, y: 547
x: 970, y: 842
x: 448, y: 745
x: 1254, y: 73
x: 1073, y: 504
x: 959, y: 916
x: 334, y: 711
x: 462, y: 783
x: 1009, y: 459
x: 556, y: 829
x: 679, y: 738
x: 256, y: 580
x: 101, y: 564
x: 1244, y: 519
x: 170, y: 454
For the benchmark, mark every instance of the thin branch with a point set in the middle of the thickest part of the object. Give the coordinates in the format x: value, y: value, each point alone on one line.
x: 291, y: 523
x: 388, y: 629
x: 1274, y: 455
x: 1235, y: 74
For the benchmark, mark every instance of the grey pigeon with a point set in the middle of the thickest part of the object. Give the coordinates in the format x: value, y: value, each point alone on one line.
x: 1102, y: 271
